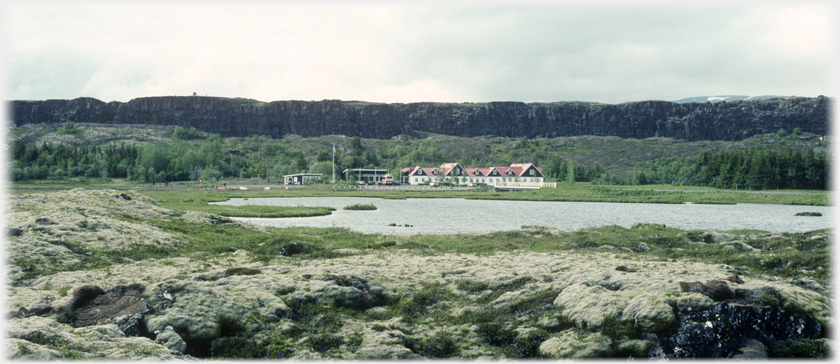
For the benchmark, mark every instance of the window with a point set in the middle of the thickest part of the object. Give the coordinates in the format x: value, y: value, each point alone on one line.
x: 531, y: 172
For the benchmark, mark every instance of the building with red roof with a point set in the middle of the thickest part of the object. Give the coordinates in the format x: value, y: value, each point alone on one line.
x: 455, y: 174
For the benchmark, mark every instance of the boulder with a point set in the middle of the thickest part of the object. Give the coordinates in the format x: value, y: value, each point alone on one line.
x: 292, y: 249
x: 651, y: 312
x: 93, y: 306
x: 171, y: 340
x: 734, y: 279
x: 722, y: 329
x: 764, y: 296
x: 640, y: 247
x: 808, y: 283
x: 752, y: 350
x: 714, y: 289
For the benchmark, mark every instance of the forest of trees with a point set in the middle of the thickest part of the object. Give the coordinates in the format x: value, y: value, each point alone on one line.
x: 213, y: 158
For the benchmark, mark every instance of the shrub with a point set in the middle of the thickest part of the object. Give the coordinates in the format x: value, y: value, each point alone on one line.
x: 68, y: 129
x: 439, y: 345
x: 186, y: 133
x: 357, y: 206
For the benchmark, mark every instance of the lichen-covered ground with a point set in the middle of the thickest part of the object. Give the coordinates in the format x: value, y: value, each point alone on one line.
x: 215, y: 287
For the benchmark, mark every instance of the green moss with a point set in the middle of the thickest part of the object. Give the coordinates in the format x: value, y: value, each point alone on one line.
x: 800, y: 348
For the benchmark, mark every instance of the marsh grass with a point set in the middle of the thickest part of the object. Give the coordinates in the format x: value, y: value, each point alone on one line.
x: 361, y: 207
x: 199, y: 200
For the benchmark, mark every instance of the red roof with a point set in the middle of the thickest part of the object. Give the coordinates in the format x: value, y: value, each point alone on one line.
x: 516, y: 170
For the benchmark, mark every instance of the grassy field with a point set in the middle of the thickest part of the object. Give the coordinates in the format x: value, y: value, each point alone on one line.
x: 190, y: 197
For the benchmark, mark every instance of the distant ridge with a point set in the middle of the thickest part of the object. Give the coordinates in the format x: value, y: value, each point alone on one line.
x: 720, y: 98
x: 237, y: 117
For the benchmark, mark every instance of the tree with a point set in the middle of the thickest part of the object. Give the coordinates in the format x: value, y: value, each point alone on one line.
x: 69, y: 129
x: 301, y: 163
x: 570, y: 178
x: 356, y: 145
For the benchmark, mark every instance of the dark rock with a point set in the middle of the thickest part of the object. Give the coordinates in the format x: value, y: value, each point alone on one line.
x: 165, y: 298
x: 93, y: 306
x: 808, y: 283
x: 15, y: 232
x: 694, y: 340
x: 76, y: 249
x: 236, y: 117
x: 220, y: 220
x: 765, y: 296
x: 292, y: 249
x: 83, y: 294
x: 734, y: 279
x: 714, y: 289
x: 364, y: 300
x: 720, y: 331
x: 34, y: 311
x: 131, y: 325
x: 622, y: 268
x: 646, y: 225
x: 125, y: 197
x: 45, y: 221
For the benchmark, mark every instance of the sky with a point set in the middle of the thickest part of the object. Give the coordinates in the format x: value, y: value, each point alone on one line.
x: 383, y: 52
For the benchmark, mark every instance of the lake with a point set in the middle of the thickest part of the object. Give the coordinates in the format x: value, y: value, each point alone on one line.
x: 454, y: 215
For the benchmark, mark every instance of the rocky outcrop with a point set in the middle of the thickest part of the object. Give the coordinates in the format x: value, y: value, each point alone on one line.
x: 236, y: 117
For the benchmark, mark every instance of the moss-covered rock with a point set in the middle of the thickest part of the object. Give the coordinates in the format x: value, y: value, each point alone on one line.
x: 573, y: 344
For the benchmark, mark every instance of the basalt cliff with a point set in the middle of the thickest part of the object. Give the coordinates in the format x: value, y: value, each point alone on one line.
x: 237, y: 117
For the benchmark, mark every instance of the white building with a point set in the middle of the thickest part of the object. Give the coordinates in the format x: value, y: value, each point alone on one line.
x: 457, y: 175
x: 301, y: 178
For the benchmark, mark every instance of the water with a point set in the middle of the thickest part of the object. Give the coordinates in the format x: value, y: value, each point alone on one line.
x: 453, y: 215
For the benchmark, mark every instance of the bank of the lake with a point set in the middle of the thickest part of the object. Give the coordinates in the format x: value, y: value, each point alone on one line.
x: 189, y: 196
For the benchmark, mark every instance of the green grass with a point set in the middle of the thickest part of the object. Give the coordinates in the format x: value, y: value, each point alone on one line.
x: 361, y: 207
x: 192, y: 198
x: 198, y: 200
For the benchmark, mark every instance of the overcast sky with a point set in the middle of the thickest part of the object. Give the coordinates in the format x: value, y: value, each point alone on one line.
x: 378, y: 52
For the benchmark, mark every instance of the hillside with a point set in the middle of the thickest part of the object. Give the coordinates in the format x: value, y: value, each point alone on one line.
x: 617, y: 156
x: 235, y: 117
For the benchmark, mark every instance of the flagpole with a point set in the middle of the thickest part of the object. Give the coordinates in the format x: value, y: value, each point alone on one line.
x: 333, y: 176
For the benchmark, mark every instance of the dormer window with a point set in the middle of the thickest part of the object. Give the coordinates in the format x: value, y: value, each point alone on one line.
x: 509, y: 172
x: 477, y: 172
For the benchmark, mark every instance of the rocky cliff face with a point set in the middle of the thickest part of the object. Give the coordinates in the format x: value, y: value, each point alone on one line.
x: 243, y: 117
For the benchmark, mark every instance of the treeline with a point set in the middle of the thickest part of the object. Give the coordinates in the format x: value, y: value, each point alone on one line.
x: 749, y: 169
x: 763, y: 169
x: 210, y: 159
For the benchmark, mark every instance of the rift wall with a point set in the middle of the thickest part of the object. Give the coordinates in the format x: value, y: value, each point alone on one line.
x: 235, y: 117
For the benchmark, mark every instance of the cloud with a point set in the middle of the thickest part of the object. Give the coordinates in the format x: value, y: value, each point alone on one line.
x: 408, y: 53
